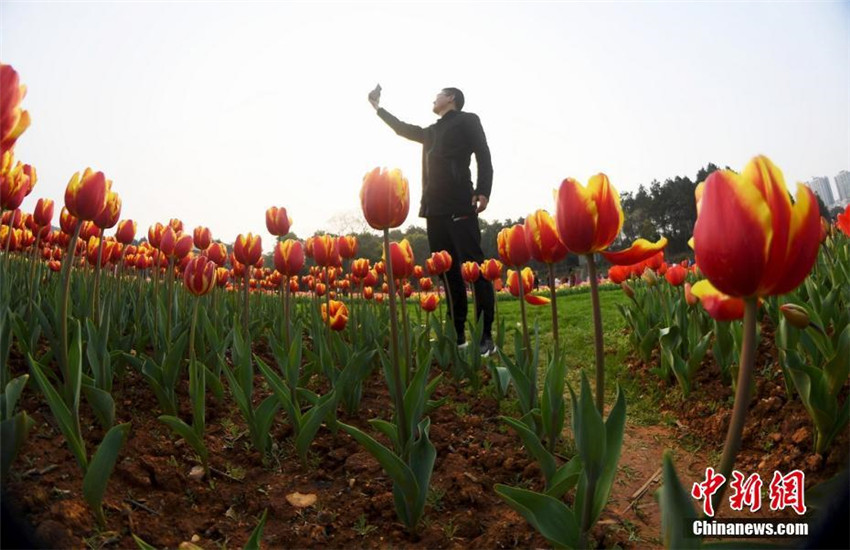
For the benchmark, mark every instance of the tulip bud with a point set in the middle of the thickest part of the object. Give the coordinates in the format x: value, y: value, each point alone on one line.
x: 649, y: 277
x: 796, y: 315
x: 202, y: 237
x: 628, y: 290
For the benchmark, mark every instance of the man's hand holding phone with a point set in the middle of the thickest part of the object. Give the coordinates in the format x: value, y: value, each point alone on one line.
x: 375, y: 97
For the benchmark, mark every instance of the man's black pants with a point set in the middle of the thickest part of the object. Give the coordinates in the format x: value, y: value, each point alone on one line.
x: 461, y: 237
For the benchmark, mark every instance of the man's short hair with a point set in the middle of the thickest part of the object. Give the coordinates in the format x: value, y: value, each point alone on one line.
x: 458, y: 96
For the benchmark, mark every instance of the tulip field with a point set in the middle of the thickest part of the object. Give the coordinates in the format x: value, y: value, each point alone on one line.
x: 165, y: 389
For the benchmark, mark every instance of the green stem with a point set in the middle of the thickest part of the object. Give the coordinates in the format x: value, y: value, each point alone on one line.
x: 96, y: 292
x: 399, y: 392
x: 247, y: 281
x: 742, y: 396
x: 554, y: 308
x: 408, y: 360
x: 66, y: 298
x: 597, y: 331
x: 449, y: 300
x: 525, y: 339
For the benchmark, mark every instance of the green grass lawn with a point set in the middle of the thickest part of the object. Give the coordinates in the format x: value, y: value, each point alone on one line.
x: 575, y: 326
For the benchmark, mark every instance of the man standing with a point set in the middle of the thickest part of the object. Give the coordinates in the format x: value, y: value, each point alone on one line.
x: 450, y: 204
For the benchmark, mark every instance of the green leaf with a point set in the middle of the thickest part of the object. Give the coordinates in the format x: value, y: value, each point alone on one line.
x: 389, y: 430
x: 262, y: 419
x: 565, y: 478
x: 838, y: 368
x: 535, y: 448
x: 422, y: 457
x: 312, y: 421
x: 549, y: 516
x: 552, y: 406
x: 188, y: 433
x: 13, y: 433
x: 102, y: 464
x: 676, y: 509
x: 74, y: 371
x: 257, y: 534
x: 13, y: 393
x: 614, y: 428
x: 68, y: 423
x: 398, y: 471
x: 282, y: 392
x: 588, y: 426
x: 102, y: 405
x: 142, y: 544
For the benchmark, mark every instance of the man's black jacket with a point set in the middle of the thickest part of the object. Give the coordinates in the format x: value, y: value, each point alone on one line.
x: 446, y: 149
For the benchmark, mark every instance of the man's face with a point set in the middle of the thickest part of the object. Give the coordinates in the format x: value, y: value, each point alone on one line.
x: 442, y: 101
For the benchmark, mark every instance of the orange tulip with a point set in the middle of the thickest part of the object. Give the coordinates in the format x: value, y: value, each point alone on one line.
x: 619, y: 273
x: 347, y: 246
x: 470, y: 272
x: 326, y: 251
x: 155, y: 234
x: 385, y: 198
x: 175, y: 245
x: 338, y: 314
x: 289, y: 257
x: 418, y: 272
x: 590, y: 218
x: 320, y: 289
x: 43, y: 213
x: 527, y: 285
x: 221, y: 276
x: 368, y: 293
x: 13, y: 119
x: 718, y: 305
x: 360, y: 267
x: 199, y: 275
x: 202, y: 237
x: 438, y: 263
x: 85, y: 196
x: 749, y: 239
x: 428, y: 302
x: 108, y: 217
x: 176, y: 225
x: 542, y: 238
x: 513, y: 247
x: 676, y: 274
x: 842, y: 222
x: 402, y: 258
x: 491, y: 269
x: 248, y: 249
x: 371, y: 278
x: 278, y: 221
x: 89, y: 230
x: 54, y: 265
x: 217, y: 253
x: 379, y: 298
x: 689, y: 296
x: 16, y: 182
x: 426, y: 284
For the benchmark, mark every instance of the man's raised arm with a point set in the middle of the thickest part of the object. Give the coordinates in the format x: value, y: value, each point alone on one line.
x: 405, y: 130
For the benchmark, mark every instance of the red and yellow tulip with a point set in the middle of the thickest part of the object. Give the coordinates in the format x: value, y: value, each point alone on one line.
x: 589, y: 218
x: 126, y: 231
x: 347, y: 246
x: 470, y: 272
x: 202, y: 237
x: 289, y: 257
x: 16, y: 182
x: 542, y: 238
x: 842, y: 222
x: 278, y: 221
x: 491, y: 269
x: 676, y: 274
x: 429, y: 302
x: 402, y: 259
x: 513, y: 246
x: 749, y: 239
x: 110, y: 214
x: 13, y: 119
x: 200, y: 275
x: 326, y: 251
x: 43, y: 213
x: 438, y: 263
x: 385, y: 198
x: 338, y: 314
x: 527, y: 285
x: 248, y: 249
x: 85, y: 196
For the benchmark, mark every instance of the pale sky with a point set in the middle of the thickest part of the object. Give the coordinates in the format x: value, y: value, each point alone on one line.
x: 214, y: 111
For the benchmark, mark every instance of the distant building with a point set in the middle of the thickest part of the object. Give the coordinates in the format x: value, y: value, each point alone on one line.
x: 842, y: 182
x: 820, y: 186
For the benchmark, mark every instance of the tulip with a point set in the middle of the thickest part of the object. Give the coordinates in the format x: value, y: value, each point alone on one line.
x: 248, y: 249
x: 13, y: 218
x: 368, y: 293
x: 347, y: 246
x: 126, y: 231
x: 326, y: 251
x: 371, y: 278
x: 289, y: 257
x: 428, y: 302
x: 542, y: 238
x: 719, y: 306
x: 222, y: 276
x: 426, y: 284
x: 360, y: 267
x: 199, y: 275
x: 278, y: 221
x: 202, y: 237
x: 439, y: 262
x: 628, y: 290
x: 176, y: 225
x: 320, y: 289
x: 513, y: 246
x: 54, y: 265
x: 676, y: 274
x: 217, y: 253
x: 649, y: 277
x: 13, y: 119
x: 527, y: 285
x: 470, y: 272
x: 491, y: 270
x: 796, y: 315
x: 619, y: 273
x: 85, y: 196
x: 338, y: 314
x: 842, y: 221
x: 689, y: 295
x: 16, y: 182
x: 108, y: 217
x: 402, y: 259
x: 155, y: 234
x: 43, y: 213
x: 385, y: 198
x: 418, y: 272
